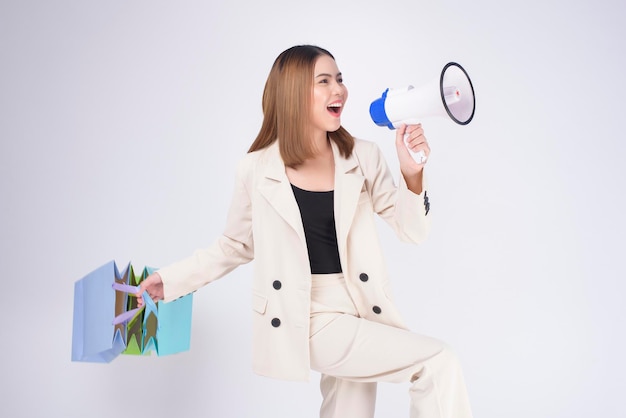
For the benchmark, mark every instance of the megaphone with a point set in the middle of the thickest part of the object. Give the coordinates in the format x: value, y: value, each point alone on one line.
x: 451, y: 95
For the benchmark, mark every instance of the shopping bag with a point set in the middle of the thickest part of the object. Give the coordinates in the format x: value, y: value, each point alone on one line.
x: 107, y: 321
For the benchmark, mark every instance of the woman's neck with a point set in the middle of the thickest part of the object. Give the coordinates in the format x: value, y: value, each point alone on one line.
x: 316, y: 173
x: 321, y: 144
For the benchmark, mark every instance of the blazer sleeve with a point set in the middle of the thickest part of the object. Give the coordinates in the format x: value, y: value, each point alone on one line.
x: 405, y: 211
x: 232, y: 249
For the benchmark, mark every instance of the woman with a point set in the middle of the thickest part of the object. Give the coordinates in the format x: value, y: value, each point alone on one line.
x: 303, y: 208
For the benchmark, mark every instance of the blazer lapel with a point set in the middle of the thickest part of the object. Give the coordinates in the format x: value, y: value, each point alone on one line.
x: 276, y: 189
x: 348, y: 185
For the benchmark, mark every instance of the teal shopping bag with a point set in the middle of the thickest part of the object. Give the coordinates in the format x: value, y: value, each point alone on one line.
x: 107, y: 321
x: 166, y: 331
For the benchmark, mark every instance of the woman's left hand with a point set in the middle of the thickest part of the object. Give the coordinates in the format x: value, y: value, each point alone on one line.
x: 410, y: 139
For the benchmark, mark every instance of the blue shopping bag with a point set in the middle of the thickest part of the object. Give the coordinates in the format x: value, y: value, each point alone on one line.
x: 107, y: 321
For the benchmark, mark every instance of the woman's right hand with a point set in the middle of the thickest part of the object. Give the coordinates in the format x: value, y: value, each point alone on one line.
x: 153, y: 284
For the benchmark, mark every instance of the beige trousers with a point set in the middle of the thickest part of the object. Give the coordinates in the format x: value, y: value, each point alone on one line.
x: 353, y: 354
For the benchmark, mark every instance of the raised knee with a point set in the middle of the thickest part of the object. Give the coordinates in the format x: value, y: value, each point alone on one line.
x: 448, y: 354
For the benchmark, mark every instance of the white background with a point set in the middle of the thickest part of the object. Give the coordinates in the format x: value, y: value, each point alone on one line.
x: 121, y: 123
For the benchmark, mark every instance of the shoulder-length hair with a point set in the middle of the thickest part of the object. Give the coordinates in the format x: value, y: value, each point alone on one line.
x: 287, y: 107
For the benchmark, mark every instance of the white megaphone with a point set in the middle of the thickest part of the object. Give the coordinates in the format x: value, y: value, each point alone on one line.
x: 451, y: 95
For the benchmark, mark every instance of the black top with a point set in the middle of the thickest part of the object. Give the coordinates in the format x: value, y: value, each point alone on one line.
x: 318, y: 219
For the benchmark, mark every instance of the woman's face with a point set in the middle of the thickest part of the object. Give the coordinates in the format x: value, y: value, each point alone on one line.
x: 329, y: 95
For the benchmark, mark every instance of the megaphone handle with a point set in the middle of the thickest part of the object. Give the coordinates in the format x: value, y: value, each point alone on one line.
x: 420, y: 157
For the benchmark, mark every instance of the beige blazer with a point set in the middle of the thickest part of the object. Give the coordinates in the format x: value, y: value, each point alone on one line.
x: 264, y: 224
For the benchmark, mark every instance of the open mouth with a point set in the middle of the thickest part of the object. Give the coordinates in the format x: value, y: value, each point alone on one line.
x: 335, y: 108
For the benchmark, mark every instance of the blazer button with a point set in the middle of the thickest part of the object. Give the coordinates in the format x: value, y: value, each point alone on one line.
x: 364, y: 277
x: 275, y: 322
x: 277, y: 284
x: 377, y: 309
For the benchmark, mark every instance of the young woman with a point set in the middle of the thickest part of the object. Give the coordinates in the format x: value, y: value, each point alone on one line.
x: 303, y: 208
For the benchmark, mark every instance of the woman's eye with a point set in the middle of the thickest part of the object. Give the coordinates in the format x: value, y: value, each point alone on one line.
x: 323, y: 81
x: 340, y: 80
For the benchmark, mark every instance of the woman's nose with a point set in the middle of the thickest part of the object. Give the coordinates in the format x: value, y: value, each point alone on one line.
x: 338, y: 89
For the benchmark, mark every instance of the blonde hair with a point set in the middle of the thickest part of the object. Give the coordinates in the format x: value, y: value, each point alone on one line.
x: 287, y: 107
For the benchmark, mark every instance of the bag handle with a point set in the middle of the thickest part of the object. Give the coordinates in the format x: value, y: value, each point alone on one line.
x: 126, y: 316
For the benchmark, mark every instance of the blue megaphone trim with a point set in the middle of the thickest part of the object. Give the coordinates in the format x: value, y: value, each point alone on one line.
x: 377, y: 111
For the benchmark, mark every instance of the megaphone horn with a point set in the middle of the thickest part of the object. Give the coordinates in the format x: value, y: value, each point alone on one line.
x: 452, y: 95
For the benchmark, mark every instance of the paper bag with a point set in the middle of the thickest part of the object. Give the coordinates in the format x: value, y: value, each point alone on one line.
x: 107, y: 321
